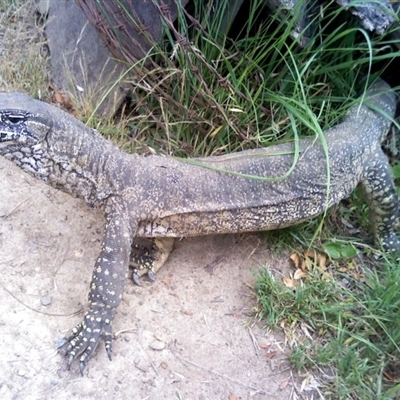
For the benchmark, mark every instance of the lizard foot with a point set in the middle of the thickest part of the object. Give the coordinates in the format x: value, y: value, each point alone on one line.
x: 147, y: 259
x: 136, y: 276
x: 390, y: 242
x: 85, y: 337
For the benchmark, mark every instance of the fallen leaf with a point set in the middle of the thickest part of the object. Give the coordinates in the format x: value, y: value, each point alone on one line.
x: 299, y: 274
x: 271, y: 354
x: 310, y: 253
x: 58, y: 97
x: 321, y: 261
x: 68, y: 104
x: 295, y: 259
x: 289, y: 282
x: 340, y: 250
x: 284, y: 384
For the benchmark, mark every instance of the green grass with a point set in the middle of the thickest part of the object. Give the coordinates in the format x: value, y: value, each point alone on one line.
x: 211, y: 95
x: 353, y: 328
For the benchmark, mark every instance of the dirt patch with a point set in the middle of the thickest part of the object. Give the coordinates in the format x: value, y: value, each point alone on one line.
x: 186, y: 336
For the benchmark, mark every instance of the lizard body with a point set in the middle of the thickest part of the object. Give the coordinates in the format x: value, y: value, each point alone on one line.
x: 158, y: 196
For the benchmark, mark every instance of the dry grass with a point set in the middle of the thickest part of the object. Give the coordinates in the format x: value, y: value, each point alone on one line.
x: 24, y: 65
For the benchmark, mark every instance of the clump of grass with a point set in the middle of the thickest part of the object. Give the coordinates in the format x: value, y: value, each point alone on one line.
x: 23, y: 52
x: 211, y: 95
x: 352, y: 339
x: 205, y: 94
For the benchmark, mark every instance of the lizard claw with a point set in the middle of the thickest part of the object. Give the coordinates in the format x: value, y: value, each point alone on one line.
x: 136, y: 277
x: 82, y: 366
x: 86, y: 336
x: 151, y: 275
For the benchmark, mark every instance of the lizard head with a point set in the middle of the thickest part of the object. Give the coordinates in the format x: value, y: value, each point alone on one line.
x: 21, y: 123
x: 24, y: 126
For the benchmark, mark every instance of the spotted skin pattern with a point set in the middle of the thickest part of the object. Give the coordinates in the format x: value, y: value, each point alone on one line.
x: 147, y: 259
x: 162, y: 198
x: 382, y: 198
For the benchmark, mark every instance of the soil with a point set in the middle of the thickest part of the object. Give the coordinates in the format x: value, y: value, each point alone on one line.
x: 188, y: 335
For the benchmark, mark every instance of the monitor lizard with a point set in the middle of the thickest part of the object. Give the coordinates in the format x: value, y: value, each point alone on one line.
x: 163, y: 197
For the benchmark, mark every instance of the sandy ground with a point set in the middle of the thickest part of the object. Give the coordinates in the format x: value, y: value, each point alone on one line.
x: 189, y: 335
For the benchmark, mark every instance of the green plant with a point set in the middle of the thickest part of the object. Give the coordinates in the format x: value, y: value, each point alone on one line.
x: 352, y: 322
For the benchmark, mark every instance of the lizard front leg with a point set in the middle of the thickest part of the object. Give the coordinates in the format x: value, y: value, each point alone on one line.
x: 380, y: 191
x: 106, y: 288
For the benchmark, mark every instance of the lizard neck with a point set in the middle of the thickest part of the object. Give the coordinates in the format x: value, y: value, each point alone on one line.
x: 81, y: 162
x: 74, y: 159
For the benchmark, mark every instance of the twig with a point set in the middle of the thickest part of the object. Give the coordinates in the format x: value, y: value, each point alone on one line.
x: 254, y: 341
x: 151, y: 361
x: 39, y: 311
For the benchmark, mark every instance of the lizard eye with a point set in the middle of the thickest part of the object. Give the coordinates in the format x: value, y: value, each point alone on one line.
x: 16, y: 118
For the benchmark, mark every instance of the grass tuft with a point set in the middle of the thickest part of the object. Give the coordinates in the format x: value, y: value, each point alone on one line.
x: 23, y: 49
x: 345, y: 328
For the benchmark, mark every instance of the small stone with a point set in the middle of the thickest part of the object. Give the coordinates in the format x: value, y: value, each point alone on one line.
x: 46, y: 300
x: 21, y: 372
x: 157, y: 345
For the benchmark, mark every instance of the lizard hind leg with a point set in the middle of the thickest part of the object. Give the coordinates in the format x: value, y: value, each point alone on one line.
x: 148, y: 256
x: 381, y: 195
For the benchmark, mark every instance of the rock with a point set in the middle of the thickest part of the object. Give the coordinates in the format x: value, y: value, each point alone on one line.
x: 157, y: 345
x: 81, y: 63
x: 46, y: 300
x: 129, y: 28
x: 395, y: 35
x: 302, y: 12
x: 375, y: 16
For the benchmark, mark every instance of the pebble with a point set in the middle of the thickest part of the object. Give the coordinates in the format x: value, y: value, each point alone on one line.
x: 157, y: 345
x: 46, y: 300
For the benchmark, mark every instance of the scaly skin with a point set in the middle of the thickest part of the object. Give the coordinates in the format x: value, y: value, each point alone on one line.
x: 155, y: 197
